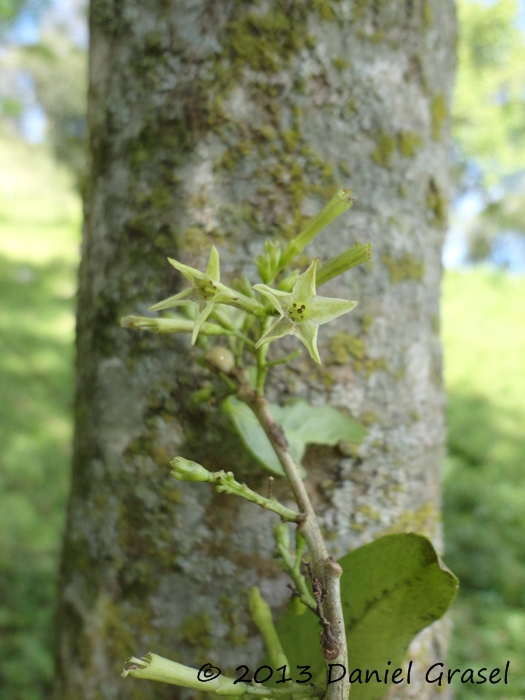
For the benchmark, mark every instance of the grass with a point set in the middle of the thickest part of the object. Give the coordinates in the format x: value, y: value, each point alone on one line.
x: 39, y: 237
x: 484, y: 505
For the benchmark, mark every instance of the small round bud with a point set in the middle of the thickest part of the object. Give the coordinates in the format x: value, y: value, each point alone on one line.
x: 186, y: 470
x: 221, y: 358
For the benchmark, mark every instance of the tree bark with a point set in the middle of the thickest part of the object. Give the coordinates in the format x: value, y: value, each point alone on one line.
x: 225, y: 121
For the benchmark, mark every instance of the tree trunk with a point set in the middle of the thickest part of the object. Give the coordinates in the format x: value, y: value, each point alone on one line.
x: 225, y: 121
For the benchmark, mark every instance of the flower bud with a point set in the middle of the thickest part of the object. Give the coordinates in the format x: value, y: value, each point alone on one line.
x: 288, y: 283
x: 186, y: 470
x: 242, y: 284
x: 341, y: 201
x: 356, y: 255
x: 221, y: 358
x: 176, y: 324
x: 157, y: 325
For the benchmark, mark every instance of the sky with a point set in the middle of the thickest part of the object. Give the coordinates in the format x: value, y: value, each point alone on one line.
x: 71, y: 14
x: 27, y: 30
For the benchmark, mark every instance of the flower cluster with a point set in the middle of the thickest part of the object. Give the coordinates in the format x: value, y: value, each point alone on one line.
x: 288, y: 303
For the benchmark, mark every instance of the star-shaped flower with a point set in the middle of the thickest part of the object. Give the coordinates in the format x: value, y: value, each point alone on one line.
x: 302, y: 311
x: 205, y: 291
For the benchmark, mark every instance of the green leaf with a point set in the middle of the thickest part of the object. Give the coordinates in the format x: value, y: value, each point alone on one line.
x: 303, y: 424
x: 255, y: 438
x: 320, y: 425
x: 390, y: 589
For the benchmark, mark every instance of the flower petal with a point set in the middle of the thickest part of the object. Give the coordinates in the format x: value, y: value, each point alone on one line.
x: 283, y: 326
x: 324, y: 309
x: 213, y: 269
x: 190, y: 273
x: 307, y: 331
x: 278, y: 299
x: 185, y: 297
x: 304, y: 288
x: 204, y: 311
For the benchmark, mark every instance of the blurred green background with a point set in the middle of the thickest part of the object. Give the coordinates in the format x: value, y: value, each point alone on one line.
x: 39, y: 239
x: 483, y: 324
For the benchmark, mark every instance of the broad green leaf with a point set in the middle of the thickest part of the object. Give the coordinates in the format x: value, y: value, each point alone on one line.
x: 255, y: 438
x: 320, y: 425
x: 303, y: 424
x: 390, y: 589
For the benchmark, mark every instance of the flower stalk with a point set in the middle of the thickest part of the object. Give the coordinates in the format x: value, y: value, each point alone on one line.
x: 291, y: 565
x: 186, y: 470
x: 326, y: 571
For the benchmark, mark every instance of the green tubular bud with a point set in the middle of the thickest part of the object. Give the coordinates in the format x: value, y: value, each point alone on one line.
x: 267, y: 263
x: 186, y: 470
x: 356, y: 255
x: 155, y: 668
x: 273, y: 249
x: 168, y: 325
x: 260, y: 611
x: 157, y: 325
x: 263, y: 267
x: 261, y: 614
x: 242, y: 284
x: 335, y: 207
x: 287, y: 284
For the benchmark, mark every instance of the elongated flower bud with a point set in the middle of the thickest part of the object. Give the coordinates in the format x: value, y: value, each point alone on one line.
x: 186, y: 470
x: 168, y: 325
x: 288, y: 283
x: 342, y: 201
x: 351, y: 257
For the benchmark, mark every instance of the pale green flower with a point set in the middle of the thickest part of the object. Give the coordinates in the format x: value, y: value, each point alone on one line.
x: 205, y: 291
x: 302, y: 311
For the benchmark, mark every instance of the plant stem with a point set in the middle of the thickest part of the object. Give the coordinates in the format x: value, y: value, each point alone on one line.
x: 293, y: 566
x: 285, y: 359
x: 226, y: 483
x: 326, y: 572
